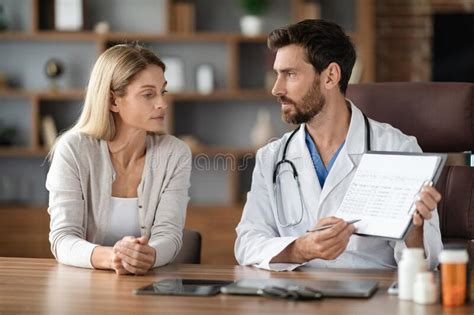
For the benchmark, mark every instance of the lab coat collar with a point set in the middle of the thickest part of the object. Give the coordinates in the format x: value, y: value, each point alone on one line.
x: 353, y: 148
x: 355, y: 140
x: 350, y: 154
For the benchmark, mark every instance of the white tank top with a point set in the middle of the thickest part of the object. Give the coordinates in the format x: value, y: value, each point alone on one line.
x: 123, y: 220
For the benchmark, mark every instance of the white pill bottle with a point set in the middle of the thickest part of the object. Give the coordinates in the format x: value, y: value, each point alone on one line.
x: 412, y: 262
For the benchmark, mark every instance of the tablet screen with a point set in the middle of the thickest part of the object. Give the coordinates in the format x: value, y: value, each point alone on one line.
x: 183, y: 287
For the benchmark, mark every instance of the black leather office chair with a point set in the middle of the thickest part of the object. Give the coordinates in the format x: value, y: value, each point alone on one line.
x: 441, y: 117
x: 191, y: 250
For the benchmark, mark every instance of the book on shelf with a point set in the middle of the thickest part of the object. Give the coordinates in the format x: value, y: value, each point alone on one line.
x: 182, y: 19
x: 69, y: 15
x: 49, y: 131
x: 356, y: 74
x: 307, y: 10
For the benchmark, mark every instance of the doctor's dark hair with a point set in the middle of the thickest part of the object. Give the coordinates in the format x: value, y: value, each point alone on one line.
x: 324, y: 42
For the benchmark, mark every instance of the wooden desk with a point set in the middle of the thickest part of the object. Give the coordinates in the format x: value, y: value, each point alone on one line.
x: 44, y: 286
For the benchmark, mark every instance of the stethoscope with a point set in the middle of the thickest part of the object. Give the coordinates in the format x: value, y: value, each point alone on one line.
x: 284, y: 161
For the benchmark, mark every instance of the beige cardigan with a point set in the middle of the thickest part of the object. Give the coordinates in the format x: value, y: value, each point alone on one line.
x: 80, y: 186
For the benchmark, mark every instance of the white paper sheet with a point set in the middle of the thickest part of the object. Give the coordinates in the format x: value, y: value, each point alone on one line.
x: 383, y: 192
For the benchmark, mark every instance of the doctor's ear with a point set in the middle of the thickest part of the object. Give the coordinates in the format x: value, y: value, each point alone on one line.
x: 113, y: 103
x: 331, y: 76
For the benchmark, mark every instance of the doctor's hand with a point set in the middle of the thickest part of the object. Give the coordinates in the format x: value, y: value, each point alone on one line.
x: 136, y: 255
x: 428, y: 201
x: 326, y: 244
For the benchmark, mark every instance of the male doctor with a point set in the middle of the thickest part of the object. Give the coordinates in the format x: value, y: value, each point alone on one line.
x: 314, y: 60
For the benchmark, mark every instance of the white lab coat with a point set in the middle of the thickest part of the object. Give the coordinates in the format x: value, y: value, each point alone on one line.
x: 260, y: 238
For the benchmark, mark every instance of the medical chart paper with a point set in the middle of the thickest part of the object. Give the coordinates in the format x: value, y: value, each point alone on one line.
x: 384, y: 190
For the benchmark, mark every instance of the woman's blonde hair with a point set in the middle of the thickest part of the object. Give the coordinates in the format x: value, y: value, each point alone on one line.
x: 113, y: 71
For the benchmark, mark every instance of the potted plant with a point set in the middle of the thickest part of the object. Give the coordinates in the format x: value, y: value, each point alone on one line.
x: 251, y: 23
x: 3, y: 19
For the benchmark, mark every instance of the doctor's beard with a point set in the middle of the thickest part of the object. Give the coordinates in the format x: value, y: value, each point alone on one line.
x: 302, y: 112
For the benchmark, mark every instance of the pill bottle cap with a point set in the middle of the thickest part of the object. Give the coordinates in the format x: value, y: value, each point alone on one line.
x: 425, y: 277
x: 410, y: 253
x: 453, y: 256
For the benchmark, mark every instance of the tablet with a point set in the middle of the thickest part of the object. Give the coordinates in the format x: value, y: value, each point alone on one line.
x: 193, y: 287
x: 329, y: 288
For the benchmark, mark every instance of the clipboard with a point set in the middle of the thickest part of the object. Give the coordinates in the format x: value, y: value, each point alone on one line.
x: 380, y: 179
x: 329, y: 288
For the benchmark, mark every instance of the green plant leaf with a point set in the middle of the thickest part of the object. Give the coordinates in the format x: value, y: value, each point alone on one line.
x: 253, y: 7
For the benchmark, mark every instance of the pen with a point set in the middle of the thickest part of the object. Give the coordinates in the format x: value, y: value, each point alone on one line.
x: 327, y: 226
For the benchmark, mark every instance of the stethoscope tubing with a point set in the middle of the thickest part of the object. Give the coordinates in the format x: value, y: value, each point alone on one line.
x: 295, y: 172
x: 285, y: 149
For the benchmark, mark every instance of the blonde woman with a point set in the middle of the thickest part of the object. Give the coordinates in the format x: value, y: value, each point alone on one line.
x: 118, y: 186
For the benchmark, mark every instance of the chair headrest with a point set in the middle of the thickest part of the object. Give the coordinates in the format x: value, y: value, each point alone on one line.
x: 457, y: 206
x: 438, y: 114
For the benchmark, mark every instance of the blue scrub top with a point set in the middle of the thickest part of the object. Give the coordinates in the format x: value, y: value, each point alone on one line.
x: 321, y: 170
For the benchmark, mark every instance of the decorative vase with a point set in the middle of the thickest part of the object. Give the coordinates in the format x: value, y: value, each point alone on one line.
x: 251, y: 25
x: 262, y: 132
x: 53, y: 70
x: 174, y: 74
x: 205, y: 79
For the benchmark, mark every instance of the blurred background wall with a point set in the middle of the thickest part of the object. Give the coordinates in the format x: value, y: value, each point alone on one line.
x: 220, y: 75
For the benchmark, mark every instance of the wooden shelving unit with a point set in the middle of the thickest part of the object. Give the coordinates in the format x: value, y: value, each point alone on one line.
x: 205, y: 150
x: 43, y: 95
x: 218, y: 243
x: 240, y: 95
x: 233, y: 43
x: 16, y: 93
x: 49, y: 36
x: 223, y: 95
x: 214, y: 151
x: 24, y: 231
x: 121, y: 36
x: 26, y: 234
x: 22, y: 151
